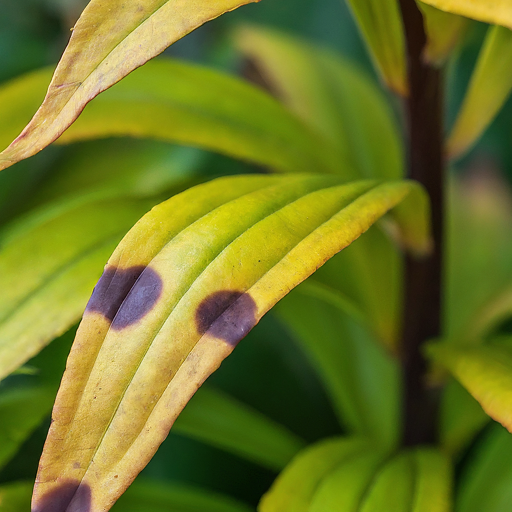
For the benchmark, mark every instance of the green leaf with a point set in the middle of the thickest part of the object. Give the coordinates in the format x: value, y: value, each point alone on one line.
x: 49, y: 263
x: 488, y: 90
x: 444, y: 31
x: 332, y: 95
x: 498, y: 12
x: 380, y: 22
x: 183, y: 287
x: 109, y: 41
x: 486, y: 483
x: 361, y: 379
x: 15, y: 496
x: 167, y: 100
x: 219, y: 420
x: 295, y: 488
x: 414, y: 481
x: 485, y: 371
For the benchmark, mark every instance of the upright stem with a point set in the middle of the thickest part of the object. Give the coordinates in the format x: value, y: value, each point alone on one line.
x: 422, y: 310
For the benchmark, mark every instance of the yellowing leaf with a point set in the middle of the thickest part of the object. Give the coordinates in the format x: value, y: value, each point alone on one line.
x: 444, y: 31
x: 489, y: 88
x: 110, y: 40
x: 485, y: 371
x: 380, y: 22
x: 497, y: 12
x: 183, y: 287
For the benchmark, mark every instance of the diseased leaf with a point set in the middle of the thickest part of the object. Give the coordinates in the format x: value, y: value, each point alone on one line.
x: 361, y: 379
x: 488, y: 90
x: 485, y: 371
x: 167, y: 100
x: 380, y: 22
x: 109, y: 41
x: 496, y: 12
x: 222, y: 421
x: 175, y: 298
x: 295, y: 487
x: 444, y: 31
x: 486, y: 483
x: 332, y: 95
x: 49, y: 263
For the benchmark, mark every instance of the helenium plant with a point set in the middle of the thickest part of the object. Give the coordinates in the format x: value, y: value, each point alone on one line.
x: 169, y: 271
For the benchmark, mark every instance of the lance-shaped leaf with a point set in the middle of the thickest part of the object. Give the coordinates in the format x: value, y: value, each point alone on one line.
x: 488, y: 90
x: 110, y: 40
x: 222, y: 421
x: 167, y: 100
x: 49, y: 263
x: 496, y: 12
x: 485, y: 371
x: 444, y: 31
x: 332, y: 95
x: 184, y: 286
x: 380, y: 22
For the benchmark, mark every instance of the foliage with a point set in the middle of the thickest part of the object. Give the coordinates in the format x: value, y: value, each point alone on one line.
x: 191, y: 264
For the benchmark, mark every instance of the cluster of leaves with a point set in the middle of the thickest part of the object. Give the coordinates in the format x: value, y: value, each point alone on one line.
x: 197, y: 272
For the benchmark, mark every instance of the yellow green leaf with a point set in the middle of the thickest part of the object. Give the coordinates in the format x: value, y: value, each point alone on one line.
x: 167, y: 100
x: 497, y: 12
x: 331, y: 95
x: 183, y: 287
x: 295, y: 487
x: 444, y: 31
x: 110, y: 40
x: 488, y: 90
x: 485, y: 371
x: 380, y: 22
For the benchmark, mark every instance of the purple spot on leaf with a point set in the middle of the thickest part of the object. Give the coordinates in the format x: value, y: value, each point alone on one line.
x: 59, y: 499
x: 228, y: 315
x: 124, y: 296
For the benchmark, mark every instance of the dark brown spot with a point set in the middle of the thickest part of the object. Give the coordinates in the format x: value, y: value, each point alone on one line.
x: 228, y: 315
x: 59, y: 498
x: 124, y: 296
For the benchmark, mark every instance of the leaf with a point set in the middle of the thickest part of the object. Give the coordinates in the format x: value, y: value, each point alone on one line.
x: 361, y: 379
x: 167, y: 100
x: 488, y: 90
x: 109, y: 41
x: 444, y: 31
x: 219, y: 420
x: 207, y: 265
x: 380, y: 23
x: 486, y: 482
x: 496, y: 12
x: 331, y: 95
x: 48, y: 266
x: 295, y: 487
x: 485, y: 371
x: 15, y: 496
x: 414, y: 481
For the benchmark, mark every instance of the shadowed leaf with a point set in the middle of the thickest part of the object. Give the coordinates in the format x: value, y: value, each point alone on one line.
x: 489, y: 88
x: 188, y: 292
x: 497, y: 12
x: 110, y: 40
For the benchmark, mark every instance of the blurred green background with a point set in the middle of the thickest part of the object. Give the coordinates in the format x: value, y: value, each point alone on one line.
x: 266, y: 371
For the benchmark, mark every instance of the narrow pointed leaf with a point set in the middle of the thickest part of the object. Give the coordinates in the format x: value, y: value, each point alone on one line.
x: 332, y: 95
x: 221, y: 421
x: 361, y: 379
x: 489, y: 88
x: 183, y: 287
x: 485, y: 371
x: 109, y: 41
x: 48, y: 266
x: 414, y: 481
x: 295, y: 487
x: 167, y: 100
x: 444, y: 31
x: 496, y: 12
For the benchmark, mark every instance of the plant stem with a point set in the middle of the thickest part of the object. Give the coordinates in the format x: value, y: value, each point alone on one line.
x: 422, y: 311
